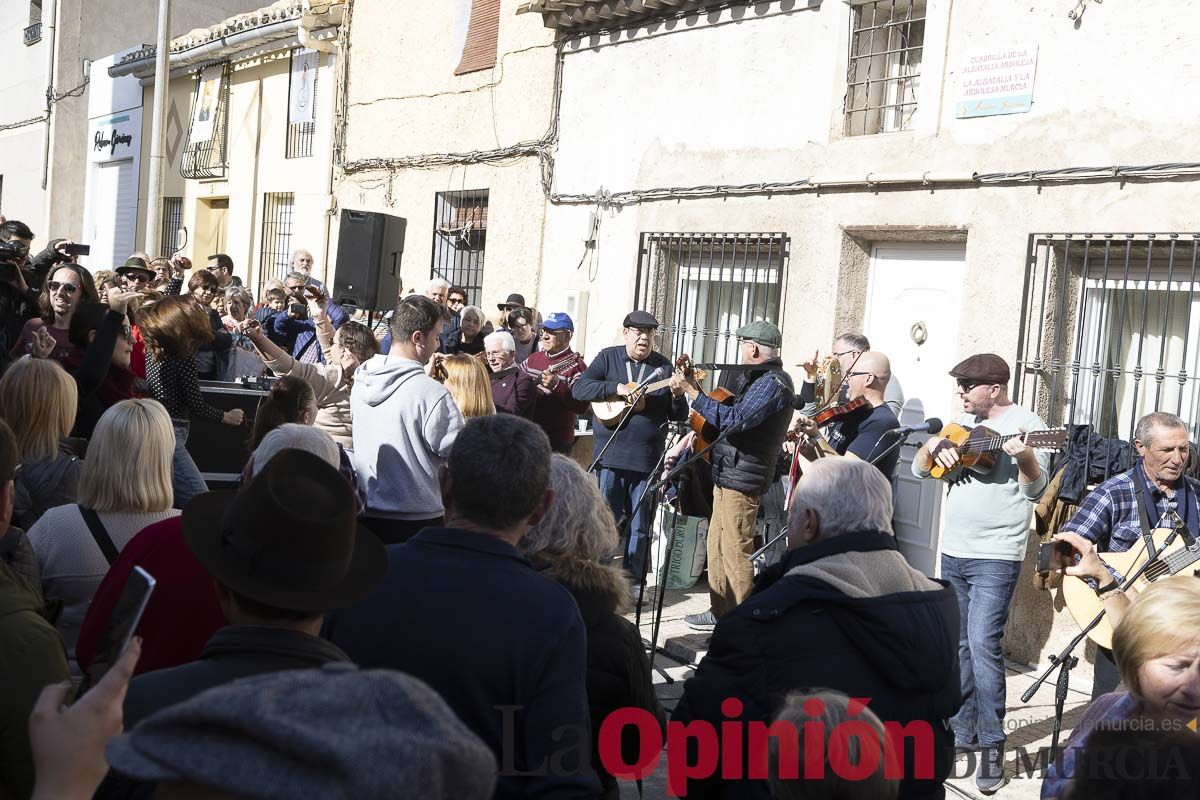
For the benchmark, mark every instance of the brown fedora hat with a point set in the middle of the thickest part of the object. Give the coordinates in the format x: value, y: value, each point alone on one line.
x: 289, y: 538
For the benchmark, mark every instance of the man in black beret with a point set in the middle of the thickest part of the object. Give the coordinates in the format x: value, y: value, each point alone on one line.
x: 627, y: 463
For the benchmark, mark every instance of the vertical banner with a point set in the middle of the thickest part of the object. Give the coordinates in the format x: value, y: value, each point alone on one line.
x: 302, y: 94
x: 208, y: 99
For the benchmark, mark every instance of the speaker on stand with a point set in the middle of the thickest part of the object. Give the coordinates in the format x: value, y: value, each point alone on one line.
x: 367, y: 269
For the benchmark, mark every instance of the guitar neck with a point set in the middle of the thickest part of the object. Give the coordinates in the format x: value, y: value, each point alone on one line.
x: 654, y: 387
x: 992, y: 443
x: 1173, y: 563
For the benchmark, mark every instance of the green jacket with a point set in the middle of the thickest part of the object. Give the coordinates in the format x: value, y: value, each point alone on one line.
x: 33, y: 657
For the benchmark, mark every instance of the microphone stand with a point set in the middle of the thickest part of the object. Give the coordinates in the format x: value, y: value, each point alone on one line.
x: 1064, y: 662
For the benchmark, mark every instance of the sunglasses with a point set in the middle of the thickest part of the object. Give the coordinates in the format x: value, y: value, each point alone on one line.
x: 55, y: 286
x: 457, y: 301
x: 127, y: 332
x: 966, y: 386
x: 136, y: 276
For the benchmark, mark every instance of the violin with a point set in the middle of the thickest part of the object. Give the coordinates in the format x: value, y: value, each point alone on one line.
x: 830, y: 414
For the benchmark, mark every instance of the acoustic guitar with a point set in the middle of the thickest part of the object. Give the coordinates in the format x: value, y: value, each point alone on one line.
x: 612, y: 410
x: 977, y: 447
x: 1084, y: 604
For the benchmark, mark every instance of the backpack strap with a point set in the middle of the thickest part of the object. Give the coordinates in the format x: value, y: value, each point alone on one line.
x: 103, y: 540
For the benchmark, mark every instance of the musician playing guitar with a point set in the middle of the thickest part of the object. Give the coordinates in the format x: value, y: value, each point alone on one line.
x: 863, y: 432
x: 743, y: 465
x: 1116, y: 513
x: 554, y: 369
x: 984, y: 540
x: 626, y: 466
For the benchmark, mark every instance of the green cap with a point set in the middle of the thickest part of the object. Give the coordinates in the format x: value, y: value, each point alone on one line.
x: 761, y: 331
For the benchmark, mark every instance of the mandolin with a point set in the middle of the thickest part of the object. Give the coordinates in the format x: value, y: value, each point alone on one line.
x: 1083, y: 602
x: 977, y: 447
x: 612, y: 410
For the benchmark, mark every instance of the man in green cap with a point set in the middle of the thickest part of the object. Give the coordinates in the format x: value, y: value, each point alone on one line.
x: 743, y: 464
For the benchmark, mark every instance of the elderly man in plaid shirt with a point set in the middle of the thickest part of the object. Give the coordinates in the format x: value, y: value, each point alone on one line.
x: 743, y: 465
x: 1116, y: 513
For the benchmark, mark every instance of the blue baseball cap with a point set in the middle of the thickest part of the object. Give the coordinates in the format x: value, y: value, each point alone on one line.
x: 558, y: 321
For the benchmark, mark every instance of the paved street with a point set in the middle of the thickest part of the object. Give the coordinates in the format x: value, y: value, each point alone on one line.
x: 1030, y: 725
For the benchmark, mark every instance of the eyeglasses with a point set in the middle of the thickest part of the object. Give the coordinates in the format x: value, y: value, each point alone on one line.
x: 139, y: 277
x: 55, y: 286
x: 966, y: 386
x: 846, y: 353
x: 457, y: 301
x: 127, y: 332
x: 855, y: 374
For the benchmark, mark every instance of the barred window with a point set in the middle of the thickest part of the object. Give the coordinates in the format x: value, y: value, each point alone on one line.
x: 204, y: 154
x: 1111, y: 329
x: 459, y: 238
x: 172, y: 222
x: 702, y: 287
x: 883, y: 77
x: 275, y: 252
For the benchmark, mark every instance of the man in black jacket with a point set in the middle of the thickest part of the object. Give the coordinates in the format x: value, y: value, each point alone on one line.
x: 636, y: 448
x: 283, y: 551
x: 463, y: 610
x: 843, y: 610
x: 743, y: 464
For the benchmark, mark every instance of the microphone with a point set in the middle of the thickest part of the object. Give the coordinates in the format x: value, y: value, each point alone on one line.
x: 931, y: 425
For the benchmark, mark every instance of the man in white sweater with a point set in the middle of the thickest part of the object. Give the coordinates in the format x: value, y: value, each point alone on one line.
x: 404, y: 425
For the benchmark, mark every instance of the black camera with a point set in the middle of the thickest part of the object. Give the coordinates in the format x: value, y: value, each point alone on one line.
x: 12, y: 253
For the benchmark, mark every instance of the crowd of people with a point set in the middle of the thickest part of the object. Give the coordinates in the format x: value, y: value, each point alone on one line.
x: 414, y: 588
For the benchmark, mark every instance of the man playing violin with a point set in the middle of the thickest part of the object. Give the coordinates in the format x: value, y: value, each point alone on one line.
x: 743, y: 465
x: 862, y: 431
x: 627, y: 463
x: 553, y: 370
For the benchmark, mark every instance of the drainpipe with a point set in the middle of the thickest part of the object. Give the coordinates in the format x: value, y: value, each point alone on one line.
x: 49, y: 26
x: 158, y: 158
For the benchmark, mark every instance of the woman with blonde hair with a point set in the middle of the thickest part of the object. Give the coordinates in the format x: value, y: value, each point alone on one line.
x: 568, y: 545
x: 174, y: 328
x: 1157, y: 650
x: 125, y: 486
x: 38, y: 400
x: 468, y: 383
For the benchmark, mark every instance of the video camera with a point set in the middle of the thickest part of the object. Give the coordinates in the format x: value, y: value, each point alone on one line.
x: 12, y: 258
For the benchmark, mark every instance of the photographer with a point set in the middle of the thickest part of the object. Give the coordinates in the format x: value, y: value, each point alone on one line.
x: 38, y: 267
x: 18, y: 302
x: 296, y: 328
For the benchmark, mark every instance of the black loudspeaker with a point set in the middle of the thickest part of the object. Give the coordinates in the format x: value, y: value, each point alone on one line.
x: 367, y: 274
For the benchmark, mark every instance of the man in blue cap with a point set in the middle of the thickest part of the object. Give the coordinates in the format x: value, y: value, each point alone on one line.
x: 554, y: 369
x: 743, y: 464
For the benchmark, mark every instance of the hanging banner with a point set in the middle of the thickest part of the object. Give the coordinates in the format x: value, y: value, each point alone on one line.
x: 208, y: 99
x: 302, y: 96
x: 996, y: 82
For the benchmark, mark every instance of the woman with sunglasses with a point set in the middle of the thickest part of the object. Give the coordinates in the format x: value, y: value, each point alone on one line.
x: 67, y: 287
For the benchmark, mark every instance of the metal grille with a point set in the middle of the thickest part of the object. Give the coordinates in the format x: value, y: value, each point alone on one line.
x: 300, y: 135
x: 459, y: 237
x: 172, y: 221
x: 275, y: 253
x: 883, y: 76
x: 1111, y: 329
x: 206, y: 159
x: 702, y: 287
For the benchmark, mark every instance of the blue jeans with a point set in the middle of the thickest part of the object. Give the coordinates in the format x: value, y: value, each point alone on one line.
x: 985, y: 588
x: 622, y: 490
x: 186, y: 479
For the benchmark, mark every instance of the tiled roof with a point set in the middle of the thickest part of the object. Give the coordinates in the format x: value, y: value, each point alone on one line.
x: 575, y: 15
x: 279, y: 11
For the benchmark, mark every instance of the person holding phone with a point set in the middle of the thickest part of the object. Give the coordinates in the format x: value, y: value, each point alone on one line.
x: 297, y: 325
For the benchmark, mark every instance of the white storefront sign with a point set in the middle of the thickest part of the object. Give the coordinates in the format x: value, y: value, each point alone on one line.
x: 115, y: 137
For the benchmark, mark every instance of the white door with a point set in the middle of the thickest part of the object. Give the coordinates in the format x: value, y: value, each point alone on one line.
x: 114, y: 215
x: 913, y: 299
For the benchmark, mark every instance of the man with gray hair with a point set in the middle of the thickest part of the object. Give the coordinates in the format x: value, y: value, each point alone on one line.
x: 302, y: 262
x: 512, y: 388
x: 1118, y: 512
x: 505, y: 645
x: 842, y: 610
x: 297, y: 325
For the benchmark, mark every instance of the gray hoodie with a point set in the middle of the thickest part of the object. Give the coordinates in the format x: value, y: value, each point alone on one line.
x: 404, y: 425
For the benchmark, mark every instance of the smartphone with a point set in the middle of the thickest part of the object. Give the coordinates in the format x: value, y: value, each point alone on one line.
x: 77, y: 249
x: 299, y: 310
x: 1053, y: 556
x: 122, y: 623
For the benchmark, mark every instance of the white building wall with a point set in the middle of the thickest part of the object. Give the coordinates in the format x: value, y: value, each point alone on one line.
x: 22, y: 97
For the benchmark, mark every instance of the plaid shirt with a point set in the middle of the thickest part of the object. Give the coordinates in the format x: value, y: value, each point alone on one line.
x: 1109, y: 516
x: 764, y: 397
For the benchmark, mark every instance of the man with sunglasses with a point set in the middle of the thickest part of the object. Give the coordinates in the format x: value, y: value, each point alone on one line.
x: 984, y: 539
x: 136, y: 274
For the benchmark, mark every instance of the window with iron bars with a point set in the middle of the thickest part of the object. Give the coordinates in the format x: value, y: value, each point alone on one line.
x: 172, y: 222
x: 1111, y: 329
x: 883, y: 76
x: 459, y: 239
x: 275, y: 252
x: 300, y: 135
x: 702, y: 287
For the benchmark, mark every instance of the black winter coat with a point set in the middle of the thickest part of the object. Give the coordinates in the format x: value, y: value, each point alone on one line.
x: 793, y: 632
x: 618, y: 671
